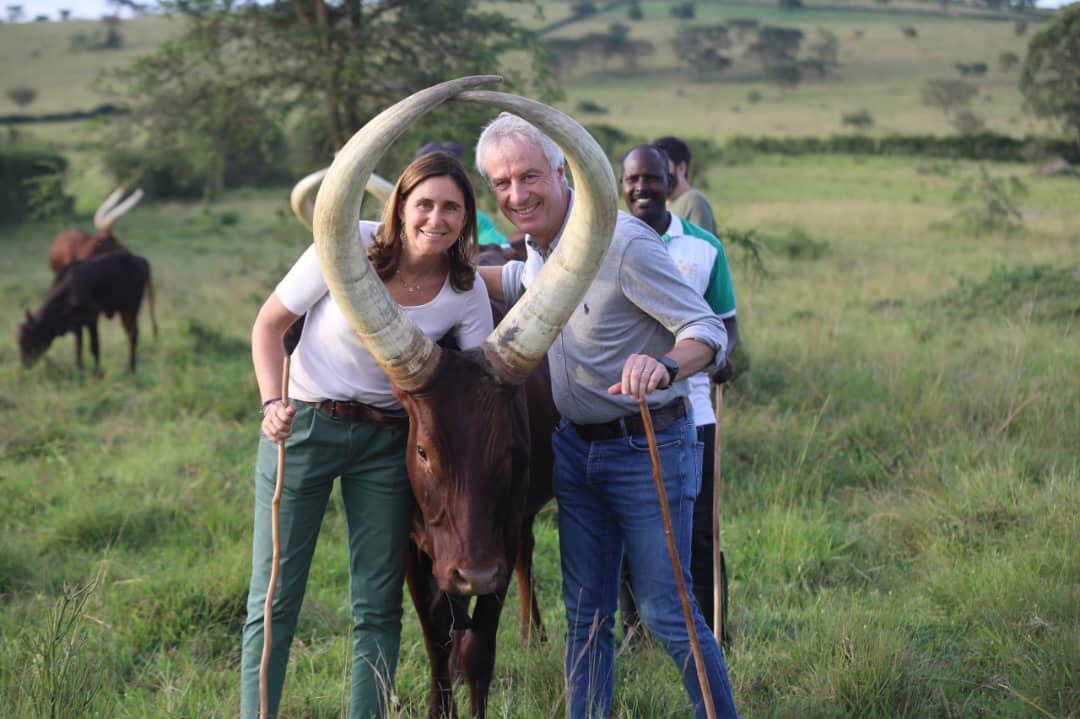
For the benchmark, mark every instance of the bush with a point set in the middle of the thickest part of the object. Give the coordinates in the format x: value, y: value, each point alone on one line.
x: 861, y: 119
x: 22, y: 173
x: 588, y: 107
x: 976, y: 146
x: 22, y: 95
x: 683, y: 11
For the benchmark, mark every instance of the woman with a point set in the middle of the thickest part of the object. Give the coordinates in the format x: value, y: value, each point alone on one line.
x: 343, y: 421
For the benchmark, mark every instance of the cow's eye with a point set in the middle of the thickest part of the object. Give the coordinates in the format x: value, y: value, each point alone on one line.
x: 421, y: 453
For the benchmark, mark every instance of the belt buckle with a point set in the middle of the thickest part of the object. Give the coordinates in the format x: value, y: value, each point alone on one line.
x: 333, y: 409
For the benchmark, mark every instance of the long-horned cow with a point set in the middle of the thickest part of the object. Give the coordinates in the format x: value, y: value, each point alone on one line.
x: 111, y: 283
x: 468, y: 449
x: 75, y: 243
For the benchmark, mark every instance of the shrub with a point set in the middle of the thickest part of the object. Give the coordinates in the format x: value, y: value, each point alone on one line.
x: 684, y: 11
x: 861, y: 119
x: 588, y: 107
x: 1008, y: 60
x: 634, y: 12
x: 990, y: 203
x: 909, y: 31
x: 22, y: 95
x: 967, y: 121
x: 22, y: 172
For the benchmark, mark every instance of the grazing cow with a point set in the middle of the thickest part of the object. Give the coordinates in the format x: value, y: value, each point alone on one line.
x: 468, y: 446
x: 109, y: 283
x: 75, y: 243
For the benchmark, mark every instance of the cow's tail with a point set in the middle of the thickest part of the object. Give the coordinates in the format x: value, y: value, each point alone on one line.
x: 150, y: 301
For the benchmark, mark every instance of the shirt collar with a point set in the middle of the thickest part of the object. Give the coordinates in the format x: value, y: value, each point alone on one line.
x: 674, y: 228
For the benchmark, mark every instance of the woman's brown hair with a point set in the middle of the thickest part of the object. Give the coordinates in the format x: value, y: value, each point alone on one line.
x: 385, y: 251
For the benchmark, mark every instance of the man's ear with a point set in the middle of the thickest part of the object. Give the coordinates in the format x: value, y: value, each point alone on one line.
x: 682, y: 170
x: 671, y: 184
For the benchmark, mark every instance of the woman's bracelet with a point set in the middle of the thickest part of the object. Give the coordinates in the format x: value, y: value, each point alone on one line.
x: 269, y: 402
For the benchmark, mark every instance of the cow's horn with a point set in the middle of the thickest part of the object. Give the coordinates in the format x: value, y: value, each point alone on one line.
x: 302, y: 197
x: 99, y: 214
x: 520, y: 341
x: 113, y: 214
x: 396, y: 343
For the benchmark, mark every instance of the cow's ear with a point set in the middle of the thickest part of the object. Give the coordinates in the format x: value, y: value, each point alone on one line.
x: 29, y: 318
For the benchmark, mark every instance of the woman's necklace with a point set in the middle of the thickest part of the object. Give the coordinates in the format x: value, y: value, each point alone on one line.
x: 412, y: 289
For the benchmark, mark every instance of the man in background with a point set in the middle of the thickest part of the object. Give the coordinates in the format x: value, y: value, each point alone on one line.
x: 685, y: 201
x: 700, y: 258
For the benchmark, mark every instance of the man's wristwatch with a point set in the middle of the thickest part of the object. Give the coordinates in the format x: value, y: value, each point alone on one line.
x: 672, y: 368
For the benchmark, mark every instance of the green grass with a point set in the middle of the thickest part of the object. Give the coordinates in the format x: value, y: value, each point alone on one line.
x: 900, y: 492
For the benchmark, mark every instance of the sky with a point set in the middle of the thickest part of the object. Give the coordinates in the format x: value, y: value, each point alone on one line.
x: 94, y: 9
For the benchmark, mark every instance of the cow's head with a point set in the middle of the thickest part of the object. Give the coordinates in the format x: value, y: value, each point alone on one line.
x: 34, y: 339
x: 462, y: 405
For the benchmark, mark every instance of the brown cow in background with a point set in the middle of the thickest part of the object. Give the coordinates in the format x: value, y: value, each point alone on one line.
x: 76, y: 243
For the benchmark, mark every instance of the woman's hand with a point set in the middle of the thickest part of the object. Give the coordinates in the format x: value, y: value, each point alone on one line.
x: 277, y: 421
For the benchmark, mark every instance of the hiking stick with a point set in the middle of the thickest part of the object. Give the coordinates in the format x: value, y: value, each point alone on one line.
x: 719, y: 597
x: 275, y: 516
x: 669, y: 535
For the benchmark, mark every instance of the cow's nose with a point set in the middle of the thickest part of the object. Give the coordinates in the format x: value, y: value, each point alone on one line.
x: 482, y: 580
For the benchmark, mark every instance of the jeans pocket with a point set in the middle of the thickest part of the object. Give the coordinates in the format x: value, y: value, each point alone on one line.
x: 641, y: 442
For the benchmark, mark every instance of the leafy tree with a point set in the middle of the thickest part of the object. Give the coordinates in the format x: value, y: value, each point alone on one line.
x: 701, y: 49
x: 240, y: 74
x: 948, y: 95
x: 14, y: 13
x: 777, y: 49
x: 1008, y: 60
x: 1050, y: 78
x: 634, y: 12
x: 65, y: 14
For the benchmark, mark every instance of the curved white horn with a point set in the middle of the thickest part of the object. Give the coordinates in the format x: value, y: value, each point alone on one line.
x: 520, y: 341
x: 302, y: 197
x: 99, y: 213
x: 114, y: 214
x: 400, y: 348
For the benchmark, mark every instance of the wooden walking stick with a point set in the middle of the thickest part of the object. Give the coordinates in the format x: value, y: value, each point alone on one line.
x: 289, y: 341
x: 719, y: 583
x: 275, y: 516
x: 669, y: 535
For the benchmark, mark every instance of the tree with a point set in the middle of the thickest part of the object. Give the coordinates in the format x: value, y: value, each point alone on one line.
x: 948, y: 95
x: 14, y: 13
x: 1050, y: 78
x: 1008, y: 60
x: 700, y: 48
x: 317, y: 68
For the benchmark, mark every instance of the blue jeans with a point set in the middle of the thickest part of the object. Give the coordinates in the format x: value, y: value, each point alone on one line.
x: 607, y: 501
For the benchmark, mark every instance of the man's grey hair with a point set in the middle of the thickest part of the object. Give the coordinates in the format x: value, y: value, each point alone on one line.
x: 511, y: 127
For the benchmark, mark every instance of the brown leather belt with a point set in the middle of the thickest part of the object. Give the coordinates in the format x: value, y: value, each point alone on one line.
x: 631, y: 424
x: 360, y: 412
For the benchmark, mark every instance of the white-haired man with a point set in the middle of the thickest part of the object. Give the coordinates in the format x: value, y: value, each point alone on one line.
x: 639, y: 332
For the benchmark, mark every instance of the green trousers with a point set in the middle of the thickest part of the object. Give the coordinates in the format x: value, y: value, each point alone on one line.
x: 375, y: 492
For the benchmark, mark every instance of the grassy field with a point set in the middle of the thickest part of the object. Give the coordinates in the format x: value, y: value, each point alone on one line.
x: 901, y: 477
x: 901, y: 504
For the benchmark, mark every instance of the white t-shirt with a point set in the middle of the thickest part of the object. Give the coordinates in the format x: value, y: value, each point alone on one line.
x: 330, y: 363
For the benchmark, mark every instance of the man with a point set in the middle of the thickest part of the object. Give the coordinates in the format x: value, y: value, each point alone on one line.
x: 639, y: 332
x: 487, y: 232
x: 700, y: 258
x: 684, y: 200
